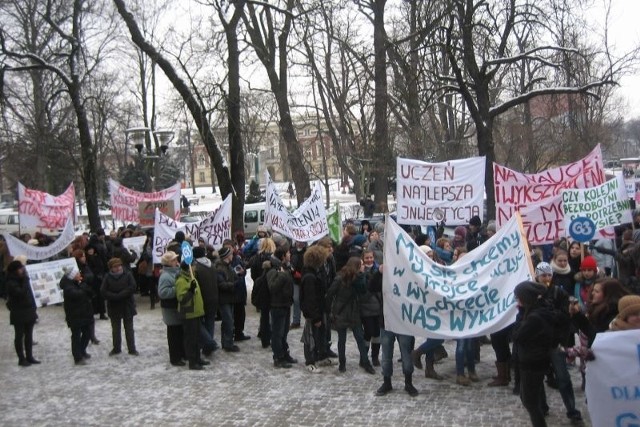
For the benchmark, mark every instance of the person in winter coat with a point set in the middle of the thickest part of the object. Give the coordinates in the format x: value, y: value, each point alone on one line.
x: 89, y: 278
x: 126, y: 256
x: 22, y: 312
x: 628, y: 314
x: 312, y: 303
x: 297, y: 265
x: 191, y: 307
x: 370, y: 309
x: 558, y: 300
x: 98, y: 265
x: 169, y: 304
x: 280, y: 285
x: 376, y: 245
x: 533, y: 339
x: 585, y: 280
x: 118, y: 288
x: 78, y: 311
x: 343, y: 302
x: 266, y: 249
x: 208, y: 281
x: 226, y: 296
x: 240, y: 293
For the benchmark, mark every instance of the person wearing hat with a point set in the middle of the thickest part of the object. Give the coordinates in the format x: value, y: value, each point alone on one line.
x: 118, y: 288
x: 585, y: 280
x: 628, y: 314
x: 169, y: 304
x: 251, y: 247
x: 78, y: 310
x: 22, y: 312
x: 226, y: 296
x: 191, y: 307
x: 208, y: 281
x: 533, y: 341
x: 473, y: 236
x: 558, y: 301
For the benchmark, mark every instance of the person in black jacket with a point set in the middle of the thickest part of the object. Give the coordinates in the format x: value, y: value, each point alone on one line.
x: 118, y: 288
x: 558, y: 300
x: 280, y: 285
x: 22, y: 312
x: 208, y: 281
x: 226, y: 277
x: 313, y: 290
x: 533, y: 338
x: 78, y: 310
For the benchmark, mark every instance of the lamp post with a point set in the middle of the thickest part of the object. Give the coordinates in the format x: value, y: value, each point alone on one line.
x: 141, y: 138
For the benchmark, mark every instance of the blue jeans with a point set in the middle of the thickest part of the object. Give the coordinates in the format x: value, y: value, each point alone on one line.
x: 226, y: 312
x: 464, y: 350
x: 279, y: 332
x: 207, y: 328
x: 358, y: 334
x: 387, y: 340
x: 296, y: 304
x: 429, y: 345
x: 563, y: 379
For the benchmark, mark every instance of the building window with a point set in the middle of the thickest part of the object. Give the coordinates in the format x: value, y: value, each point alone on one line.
x: 202, y: 162
x: 201, y: 176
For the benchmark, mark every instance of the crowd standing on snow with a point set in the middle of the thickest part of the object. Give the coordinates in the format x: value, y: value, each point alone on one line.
x: 579, y: 291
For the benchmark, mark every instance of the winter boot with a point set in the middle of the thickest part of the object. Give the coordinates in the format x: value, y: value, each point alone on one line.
x: 375, y: 354
x: 408, y: 386
x: 416, y: 356
x: 385, y: 387
x: 503, y: 375
x: 440, y: 353
x: 430, y: 372
x: 462, y: 380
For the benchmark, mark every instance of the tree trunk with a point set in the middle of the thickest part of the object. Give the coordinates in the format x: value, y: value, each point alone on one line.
x: 381, y: 134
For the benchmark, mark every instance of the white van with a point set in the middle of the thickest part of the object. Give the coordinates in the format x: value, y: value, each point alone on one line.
x: 253, y: 217
x: 9, y: 221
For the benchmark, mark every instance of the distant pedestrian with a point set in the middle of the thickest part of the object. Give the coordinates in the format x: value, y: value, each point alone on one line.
x: 78, y: 311
x: 22, y: 312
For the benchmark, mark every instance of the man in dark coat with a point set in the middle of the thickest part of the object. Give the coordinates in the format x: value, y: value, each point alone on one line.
x: 280, y: 285
x: 226, y: 296
x: 78, y: 310
x: 207, y: 278
x: 22, y: 312
x: 118, y: 288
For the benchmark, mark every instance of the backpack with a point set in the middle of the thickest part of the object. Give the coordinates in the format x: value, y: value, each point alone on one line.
x: 260, y: 296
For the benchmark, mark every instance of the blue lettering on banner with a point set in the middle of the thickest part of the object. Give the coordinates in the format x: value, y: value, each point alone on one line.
x: 627, y: 419
x: 625, y: 392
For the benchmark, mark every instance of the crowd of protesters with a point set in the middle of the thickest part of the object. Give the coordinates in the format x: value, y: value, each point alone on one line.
x: 578, y: 292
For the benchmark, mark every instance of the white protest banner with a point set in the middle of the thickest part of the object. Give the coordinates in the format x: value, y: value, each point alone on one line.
x: 45, y: 280
x: 613, y: 380
x: 214, y: 229
x: 470, y: 298
x: 125, y: 201
x: 606, y: 205
x: 134, y: 244
x: 38, y: 253
x: 40, y: 210
x: 428, y: 193
x: 308, y: 223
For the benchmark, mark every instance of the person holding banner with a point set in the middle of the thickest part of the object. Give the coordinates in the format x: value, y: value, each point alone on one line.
x: 191, y: 308
x: 22, y: 312
x: 78, y: 310
x: 343, y: 302
x: 118, y: 288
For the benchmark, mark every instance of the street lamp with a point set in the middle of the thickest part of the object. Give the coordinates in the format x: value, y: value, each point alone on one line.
x: 162, y: 139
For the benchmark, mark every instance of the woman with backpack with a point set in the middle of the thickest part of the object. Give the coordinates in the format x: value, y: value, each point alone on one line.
x: 343, y: 300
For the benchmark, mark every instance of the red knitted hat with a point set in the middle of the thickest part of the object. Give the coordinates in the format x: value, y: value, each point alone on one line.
x: 589, y: 263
